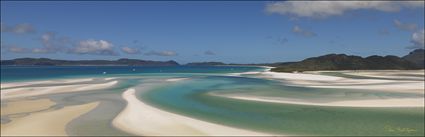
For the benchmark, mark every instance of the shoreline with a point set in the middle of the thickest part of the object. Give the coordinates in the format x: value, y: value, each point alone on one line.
x: 315, y: 80
x: 326, y: 81
x: 52, y: 81
x: 388, y: 103
x: 49, y: 123
x: 141, y: 119
x: 21, y: 92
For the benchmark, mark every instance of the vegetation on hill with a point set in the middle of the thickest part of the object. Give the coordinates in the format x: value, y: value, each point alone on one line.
x: 346, y: 62
x: 416, y: 57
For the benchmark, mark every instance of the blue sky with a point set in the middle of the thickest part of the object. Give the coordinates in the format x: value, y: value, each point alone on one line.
x: 231, y: 32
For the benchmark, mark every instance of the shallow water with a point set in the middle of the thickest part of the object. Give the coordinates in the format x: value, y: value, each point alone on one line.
x: 193, y: 97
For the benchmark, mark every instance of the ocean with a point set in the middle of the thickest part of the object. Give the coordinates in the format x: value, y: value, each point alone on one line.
x: 25, y: 73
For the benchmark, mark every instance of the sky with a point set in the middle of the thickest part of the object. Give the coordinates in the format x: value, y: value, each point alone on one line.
x: 225, y: 31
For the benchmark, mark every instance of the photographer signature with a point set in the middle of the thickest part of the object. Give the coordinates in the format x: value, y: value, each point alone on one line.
x: 390, y: 128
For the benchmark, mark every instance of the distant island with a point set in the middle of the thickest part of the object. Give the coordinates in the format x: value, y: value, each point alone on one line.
x: 414, y: 60
x: 54, y: 62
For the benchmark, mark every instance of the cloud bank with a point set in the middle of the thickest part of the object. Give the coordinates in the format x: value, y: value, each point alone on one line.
x: 23, y: 28
x: 129, y: 50
x: 95, y: 47
x: 51, y: 43
x: 15, y: 49
x: 324, y: 9
x: 405, y: 26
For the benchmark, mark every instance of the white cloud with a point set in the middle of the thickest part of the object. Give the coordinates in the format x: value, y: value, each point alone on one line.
x: 323, y: 9
x: 161, y: 53
x: 95, y: 47
x: 208, y: 52
x: 303, y: 32
x: 51, y: 43
x: 40, y: 50
x: 418, y: 39
x: 129, y: 50
x: 15, y: 49
x: 18, y: 50
x: 405, y: 26
x: 23, y: 28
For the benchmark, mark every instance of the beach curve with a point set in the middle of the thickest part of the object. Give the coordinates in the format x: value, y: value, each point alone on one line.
x: 141, y: 119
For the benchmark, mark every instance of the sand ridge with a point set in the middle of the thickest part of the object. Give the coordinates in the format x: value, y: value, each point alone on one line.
x: 141, y: 119
x: 50, y: 123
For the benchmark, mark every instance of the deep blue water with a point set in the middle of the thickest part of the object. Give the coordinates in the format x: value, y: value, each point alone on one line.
x: 23, y: 73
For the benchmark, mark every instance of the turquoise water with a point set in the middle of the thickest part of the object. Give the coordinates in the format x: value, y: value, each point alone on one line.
x: 193, y: 98
x: 24, y: 73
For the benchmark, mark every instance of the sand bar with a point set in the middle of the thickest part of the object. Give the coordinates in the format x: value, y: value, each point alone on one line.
x: 396, y: 102
x: 51, y: 123
x: 322, y: 81
x: 141, y: 119
x: 22, y: 106
x: 176, y: 79
x: 34, y: 91
x: 57, y: 81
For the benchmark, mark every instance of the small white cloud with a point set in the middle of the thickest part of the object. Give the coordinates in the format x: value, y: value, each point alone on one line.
x: 95, y: 47
x: 18, y: 50
x: 129, y: 50
x: 418, y: 39
x: 303, y: 32
x: 15, y: 49
x: 51, y: 43
x: 323, y: 9
x: 23, y: 28
x: 405, y: 26
x: 208, y: 52
x: 161, y: 53
x: 40, y: 50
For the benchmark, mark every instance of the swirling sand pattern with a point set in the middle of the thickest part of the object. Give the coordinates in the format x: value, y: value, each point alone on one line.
x: 198, y: 104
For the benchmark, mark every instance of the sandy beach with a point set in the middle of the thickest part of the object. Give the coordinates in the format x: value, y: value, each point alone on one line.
x: 409, y: 102
x: 315, y: 80
x: 141, y: 119
x: 21, y: 92
x: 176, y: 79
x: 322, y: 81
x: 58, y: 81
x: 21, y: 106
x: 50, y: 123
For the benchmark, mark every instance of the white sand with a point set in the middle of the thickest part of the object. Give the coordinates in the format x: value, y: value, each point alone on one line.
x: 416, y: 74
x: 111, y: 78
x: 58, y: 81
x: 22, y: 106
x: 35, y: 91
x: 176, y: 79
x: 322, y: 81
x: 141, y: 119
x: 51, y: 123
x: 408, y: 102
x: 300, y: 76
